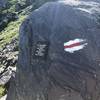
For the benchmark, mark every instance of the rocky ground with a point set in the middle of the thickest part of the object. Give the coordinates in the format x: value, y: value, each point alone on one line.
x: 4, y: 97
x: 8, y: 61
x: 9, y: 26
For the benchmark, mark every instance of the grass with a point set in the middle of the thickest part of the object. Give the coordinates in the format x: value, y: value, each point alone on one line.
x: 2, y: 91
x: 11, y: 31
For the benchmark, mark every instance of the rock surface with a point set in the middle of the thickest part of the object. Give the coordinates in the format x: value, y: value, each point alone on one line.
x: 45, y: 70
x: 4, y: 97
x: 8, y: 61
x: 3, y: 3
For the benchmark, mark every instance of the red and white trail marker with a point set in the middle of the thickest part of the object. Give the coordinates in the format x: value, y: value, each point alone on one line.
x: 74, y: 45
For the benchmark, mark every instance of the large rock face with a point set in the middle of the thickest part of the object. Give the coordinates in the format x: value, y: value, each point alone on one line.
x: 59, y: 55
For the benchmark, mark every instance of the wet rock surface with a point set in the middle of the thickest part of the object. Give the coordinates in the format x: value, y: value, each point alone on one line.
x: 48, y: 72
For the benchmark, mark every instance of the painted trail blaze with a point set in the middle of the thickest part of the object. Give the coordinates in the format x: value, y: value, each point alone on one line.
x: 74, y: 45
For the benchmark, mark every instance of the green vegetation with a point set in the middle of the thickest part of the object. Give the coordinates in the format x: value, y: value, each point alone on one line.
x: 10, y: 6
x: 13, y: 1
x: 11, y: 31
x: 2, y: 91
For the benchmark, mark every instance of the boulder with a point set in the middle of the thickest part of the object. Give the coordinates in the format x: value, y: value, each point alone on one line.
x: 59, y: 53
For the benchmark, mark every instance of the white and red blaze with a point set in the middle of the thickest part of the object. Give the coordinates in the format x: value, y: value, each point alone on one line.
x: 74, y: 45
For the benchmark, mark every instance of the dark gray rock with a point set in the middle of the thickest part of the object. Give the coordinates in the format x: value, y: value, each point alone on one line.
x: 3, y: 3
x: 48, y: 70
x: 38, y: 3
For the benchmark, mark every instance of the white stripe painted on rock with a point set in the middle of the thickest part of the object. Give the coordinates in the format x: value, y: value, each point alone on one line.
x: 72, y: 49
x: 73, y: 41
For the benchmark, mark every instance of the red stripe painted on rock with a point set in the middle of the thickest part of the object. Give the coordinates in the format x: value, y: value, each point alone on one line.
x: 73, y: 45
